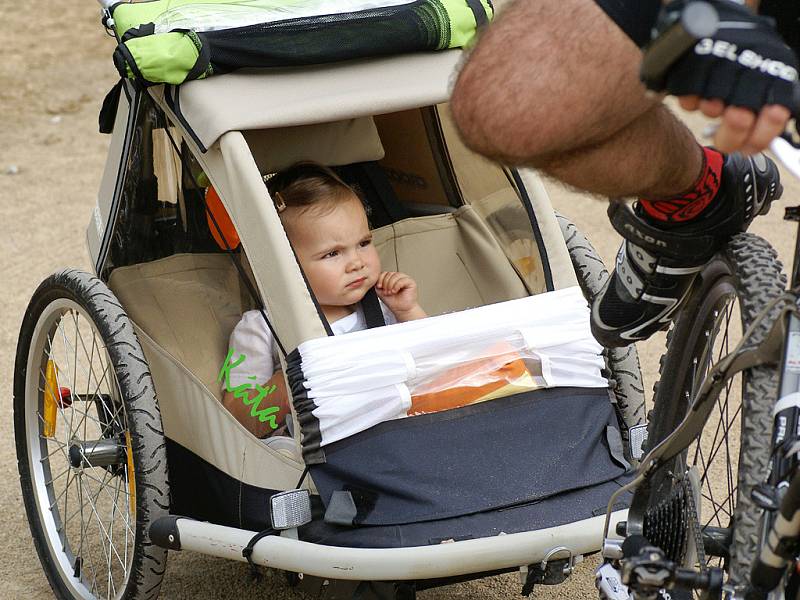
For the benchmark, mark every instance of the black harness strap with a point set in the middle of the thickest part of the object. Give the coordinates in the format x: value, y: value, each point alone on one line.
x: 203, y: 61
x: 108, y: 113
x: 373, y: 314
x: 384, y: 191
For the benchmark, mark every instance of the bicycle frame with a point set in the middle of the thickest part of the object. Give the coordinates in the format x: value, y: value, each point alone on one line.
x: 781, y: 538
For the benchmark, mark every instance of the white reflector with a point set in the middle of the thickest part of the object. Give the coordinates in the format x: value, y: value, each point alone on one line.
x: 290, y: 509
x: 638, y: 436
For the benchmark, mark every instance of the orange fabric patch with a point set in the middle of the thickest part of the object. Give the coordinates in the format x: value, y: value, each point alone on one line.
x: 471, y: 382
x: 220, y: 216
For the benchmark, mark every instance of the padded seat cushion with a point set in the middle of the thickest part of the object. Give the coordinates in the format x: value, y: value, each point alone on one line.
x: 454, y: 258
x: 189, y: 304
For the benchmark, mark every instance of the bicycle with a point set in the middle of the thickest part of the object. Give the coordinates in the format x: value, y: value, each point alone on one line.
x: 747, y: 546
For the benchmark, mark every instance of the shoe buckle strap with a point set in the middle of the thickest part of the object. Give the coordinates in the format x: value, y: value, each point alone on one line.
x: 627, y: 275
x: 660, y: 242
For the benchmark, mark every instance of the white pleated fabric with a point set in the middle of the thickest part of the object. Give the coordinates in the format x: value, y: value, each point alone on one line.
x: 360, y: 379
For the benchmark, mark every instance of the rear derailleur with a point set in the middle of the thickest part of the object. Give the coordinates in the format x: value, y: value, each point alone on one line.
x: 643, y: 572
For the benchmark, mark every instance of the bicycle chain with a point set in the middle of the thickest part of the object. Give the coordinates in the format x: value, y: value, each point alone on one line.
x: 694, y: 523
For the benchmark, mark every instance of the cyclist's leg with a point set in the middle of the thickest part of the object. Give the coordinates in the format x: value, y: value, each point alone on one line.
x: 554, y: 84
x: 623, y: 164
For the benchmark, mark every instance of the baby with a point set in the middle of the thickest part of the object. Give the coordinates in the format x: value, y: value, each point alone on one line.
x: 326, y: 224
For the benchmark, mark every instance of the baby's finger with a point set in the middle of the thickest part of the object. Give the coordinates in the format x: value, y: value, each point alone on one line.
x: 401, y: 282
x: 712, y: 108
x: 391, y: 282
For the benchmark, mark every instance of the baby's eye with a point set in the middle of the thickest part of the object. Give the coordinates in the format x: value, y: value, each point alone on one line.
x: 365, y: 243
x: 332, y: 254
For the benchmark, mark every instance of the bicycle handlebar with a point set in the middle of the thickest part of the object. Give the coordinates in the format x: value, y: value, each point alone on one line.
x: 696, y: 21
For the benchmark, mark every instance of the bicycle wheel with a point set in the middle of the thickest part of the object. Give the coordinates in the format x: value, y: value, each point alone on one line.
x: 713, y: 478
x: 622, y: 363
x: 90, y: 448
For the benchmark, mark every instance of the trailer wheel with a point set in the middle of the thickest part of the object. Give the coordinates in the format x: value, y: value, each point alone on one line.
x: 90, y: 446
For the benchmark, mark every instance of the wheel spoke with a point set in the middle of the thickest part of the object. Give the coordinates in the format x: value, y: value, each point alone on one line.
x: 83, y: 550
x: 101, y: 527
x: 104, y: 488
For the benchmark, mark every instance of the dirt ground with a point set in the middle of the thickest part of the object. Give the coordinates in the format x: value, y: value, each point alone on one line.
x: 55, y: 69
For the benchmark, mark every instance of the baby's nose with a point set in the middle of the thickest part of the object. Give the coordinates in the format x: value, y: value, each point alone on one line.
x: 356, y: 262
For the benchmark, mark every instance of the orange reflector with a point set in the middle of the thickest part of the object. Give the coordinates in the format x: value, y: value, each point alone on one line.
x: 52, y: 396
x: 131, y: 475
x: 220, y: 221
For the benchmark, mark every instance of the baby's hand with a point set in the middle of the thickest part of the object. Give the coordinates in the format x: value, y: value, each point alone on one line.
x: 399, y: 292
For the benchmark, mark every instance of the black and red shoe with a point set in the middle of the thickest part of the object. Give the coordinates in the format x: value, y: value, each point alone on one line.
x: 658, y: 262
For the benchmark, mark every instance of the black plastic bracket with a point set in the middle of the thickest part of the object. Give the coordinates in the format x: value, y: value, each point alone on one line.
x: 164, y: 532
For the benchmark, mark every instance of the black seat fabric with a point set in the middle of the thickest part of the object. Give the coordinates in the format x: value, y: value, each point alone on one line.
x: 493, y: 455
x: 561, y: 509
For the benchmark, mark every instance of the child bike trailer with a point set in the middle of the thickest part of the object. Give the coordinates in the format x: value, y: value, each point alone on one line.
x: 486, y: 438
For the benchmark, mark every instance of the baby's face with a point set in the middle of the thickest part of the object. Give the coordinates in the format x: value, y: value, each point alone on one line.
x: 334, y: 247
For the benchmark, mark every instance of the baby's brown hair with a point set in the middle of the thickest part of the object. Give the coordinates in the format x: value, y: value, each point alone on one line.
x: 307, y: 184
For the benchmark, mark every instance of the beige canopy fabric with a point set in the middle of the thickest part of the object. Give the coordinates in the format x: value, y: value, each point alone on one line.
x: 310, y: 94
x: 337, y: 143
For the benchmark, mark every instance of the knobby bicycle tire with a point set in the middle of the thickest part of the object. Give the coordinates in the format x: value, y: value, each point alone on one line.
x: 622, y: 363
x: 748, y: 271
x: 126, y: 416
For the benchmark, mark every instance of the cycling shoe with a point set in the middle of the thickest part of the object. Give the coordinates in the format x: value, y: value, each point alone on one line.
x: 657, y: 263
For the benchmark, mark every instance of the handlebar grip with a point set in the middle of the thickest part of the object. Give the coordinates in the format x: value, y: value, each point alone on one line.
x: 696, y: 21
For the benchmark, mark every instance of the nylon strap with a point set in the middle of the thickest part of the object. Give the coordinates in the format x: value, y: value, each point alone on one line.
x: 660, y: 242
x: 373, y: 314
x: 384, y: 191
x: 477, y: 8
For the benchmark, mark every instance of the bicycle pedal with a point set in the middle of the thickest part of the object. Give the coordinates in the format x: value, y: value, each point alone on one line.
x: 766, y: 497
x: 608, y: 582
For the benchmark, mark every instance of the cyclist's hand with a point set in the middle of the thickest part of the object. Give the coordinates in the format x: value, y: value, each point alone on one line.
x: 746, y: 75
x: 740, y: 129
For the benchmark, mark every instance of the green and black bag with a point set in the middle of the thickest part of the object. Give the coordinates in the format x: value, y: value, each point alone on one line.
x: 172, y: 41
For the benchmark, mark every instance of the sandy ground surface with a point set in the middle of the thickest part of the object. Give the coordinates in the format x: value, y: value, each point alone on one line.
x: 55, y: 69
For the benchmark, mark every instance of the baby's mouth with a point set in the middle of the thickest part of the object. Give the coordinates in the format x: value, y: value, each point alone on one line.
x: 357, y: 283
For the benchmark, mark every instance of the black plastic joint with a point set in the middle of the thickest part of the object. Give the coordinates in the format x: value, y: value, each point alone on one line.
x: 164, y: 532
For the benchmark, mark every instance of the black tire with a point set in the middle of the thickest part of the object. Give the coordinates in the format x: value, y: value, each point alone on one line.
x: 118, y: 408
x: 622, y: 363
x: 748, y: 273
